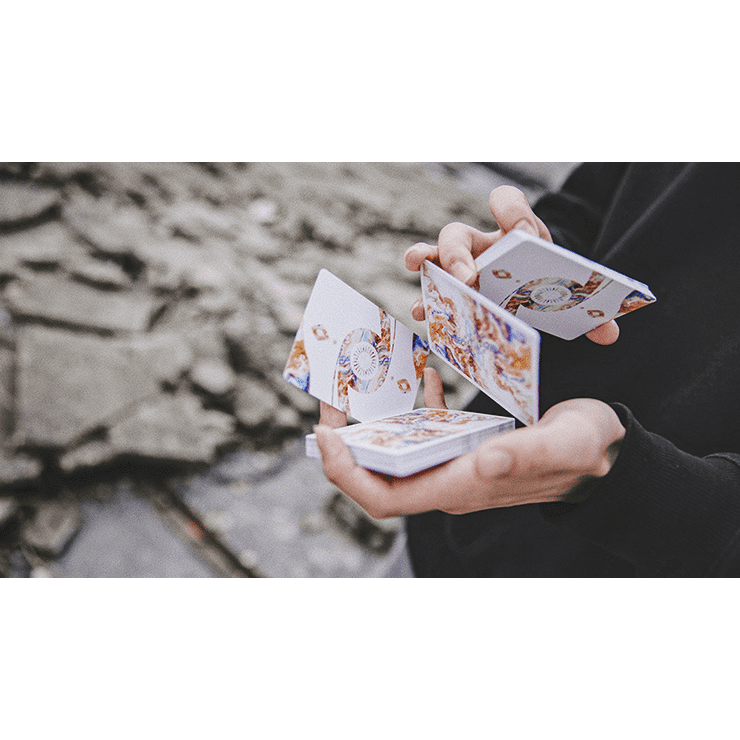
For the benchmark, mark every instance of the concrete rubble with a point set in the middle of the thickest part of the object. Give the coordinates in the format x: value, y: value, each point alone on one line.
x: 147, y: 309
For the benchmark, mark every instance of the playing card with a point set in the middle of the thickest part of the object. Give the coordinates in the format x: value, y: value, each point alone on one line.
x: 496, y: 351
x: 405, y: 444
x: 351, y: 354
x: 554, y: 289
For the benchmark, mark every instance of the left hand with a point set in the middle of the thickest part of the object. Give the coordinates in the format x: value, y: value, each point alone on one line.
x: 459, y: 245
x: 574, y: 442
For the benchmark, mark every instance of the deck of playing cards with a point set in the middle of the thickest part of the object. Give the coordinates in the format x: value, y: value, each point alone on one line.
x: 405, y: 444
x: 553, y: 289
x: 355, y: 357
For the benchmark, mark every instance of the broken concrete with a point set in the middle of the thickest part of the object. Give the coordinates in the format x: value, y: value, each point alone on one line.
x: 52, y: 528
x: 49, y: 245
x: 18, y: 469
x: 213, y: 376
x: 8, y: 512
x: 26, y: 201
x: 112, y: 227
x: 7, y: 368
x: 70, y: 384
x: 172, y: 428
x: 100, y: 273
x: 7, y: 328
x: 57, y: 299
x: 254, y: 402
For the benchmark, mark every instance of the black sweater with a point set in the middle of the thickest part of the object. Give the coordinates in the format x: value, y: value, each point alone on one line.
x: 670, y: 506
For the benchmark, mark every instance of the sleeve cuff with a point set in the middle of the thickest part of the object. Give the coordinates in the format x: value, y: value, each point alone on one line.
x: 663, y: 510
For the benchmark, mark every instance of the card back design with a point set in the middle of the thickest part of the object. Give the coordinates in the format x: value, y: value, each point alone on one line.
x: 493, y: 349
x: 353, y: 355
x: 553, y: 289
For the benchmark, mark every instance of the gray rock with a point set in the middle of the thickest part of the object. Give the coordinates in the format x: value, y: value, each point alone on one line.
x: 174, y: 263
x: 7, y: 328
x: 8, y: 511
x: 254, y: 402
x: 7, y: 367
x: 213, y: 376
x: 197, y: 220
x: 25, y: 201
x: 298, y: 399
x: 263, y: 211
x: 165, y: 354
x: 111, y: 227
x: 257, y: 241
x: 206, y: 341
x: 255, y: 345
x: 69, y: 384
x: 99, y: 273
x: 172, y: 428
x: 286, y: 418
x: 53, y: 527
x: 50, y: 244
x: 87, y: 455
x: 18, y: 469
x: 61, y: 300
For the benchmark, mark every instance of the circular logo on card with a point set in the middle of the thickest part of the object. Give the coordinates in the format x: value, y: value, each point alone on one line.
x: 554, y: 293
x: 551, y: 295
x: 364, y: 360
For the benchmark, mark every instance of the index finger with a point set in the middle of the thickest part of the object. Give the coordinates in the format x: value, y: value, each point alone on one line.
x: 459, y: 245
x: 511, y: 210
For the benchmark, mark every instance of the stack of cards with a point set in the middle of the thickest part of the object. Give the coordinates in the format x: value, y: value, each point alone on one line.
x: 553, y: 289
x: 405, y: 444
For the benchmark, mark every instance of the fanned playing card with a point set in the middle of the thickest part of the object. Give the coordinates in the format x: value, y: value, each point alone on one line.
x: 554, y: 289
x: 353, y: 355
x: 405, y: 444
x: 493, y: 349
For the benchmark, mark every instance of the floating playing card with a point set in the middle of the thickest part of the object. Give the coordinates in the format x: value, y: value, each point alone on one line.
x: 554, y: 289
x: 353, y: 355
x: 492, y: 348
x: 405, y: 444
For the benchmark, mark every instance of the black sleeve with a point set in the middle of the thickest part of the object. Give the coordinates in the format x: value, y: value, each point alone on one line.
x: 574, y: 215
x: 665, y: 511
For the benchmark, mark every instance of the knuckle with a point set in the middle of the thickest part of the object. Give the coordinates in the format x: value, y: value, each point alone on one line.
x: 453, y: 230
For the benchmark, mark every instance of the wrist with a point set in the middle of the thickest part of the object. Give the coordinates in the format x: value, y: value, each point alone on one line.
x: 608, y: 432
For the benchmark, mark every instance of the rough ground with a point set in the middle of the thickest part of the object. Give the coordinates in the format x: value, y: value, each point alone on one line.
x: 146, y: 314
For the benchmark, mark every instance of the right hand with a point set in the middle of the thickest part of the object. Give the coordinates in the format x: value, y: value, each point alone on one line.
x: 460, y: 244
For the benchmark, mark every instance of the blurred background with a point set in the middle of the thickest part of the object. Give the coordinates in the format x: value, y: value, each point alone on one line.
x: 146, y: 313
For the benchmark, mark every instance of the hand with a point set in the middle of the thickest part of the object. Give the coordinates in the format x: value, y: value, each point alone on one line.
x: 575, y: 442
x: 460, y: 244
